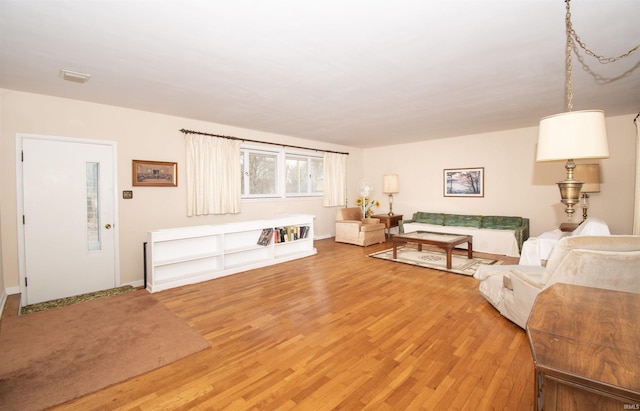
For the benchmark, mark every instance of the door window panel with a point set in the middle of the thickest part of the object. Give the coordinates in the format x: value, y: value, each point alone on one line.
x: 93, y: 207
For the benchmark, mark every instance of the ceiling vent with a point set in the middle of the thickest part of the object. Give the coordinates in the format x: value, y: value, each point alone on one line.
x: 74, y: 76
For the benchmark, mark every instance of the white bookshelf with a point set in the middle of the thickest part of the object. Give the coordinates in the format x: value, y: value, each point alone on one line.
x: 188, y: 255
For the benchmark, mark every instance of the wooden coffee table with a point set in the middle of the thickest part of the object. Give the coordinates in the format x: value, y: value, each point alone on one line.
x: 445, y: 241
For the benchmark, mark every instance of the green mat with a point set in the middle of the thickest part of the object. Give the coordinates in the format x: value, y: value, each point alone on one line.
x: 62, y: 302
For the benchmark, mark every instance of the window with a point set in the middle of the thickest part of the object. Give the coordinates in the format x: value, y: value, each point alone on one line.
x: 259, y: 173
x: 303, y: 175
x: 279, y: 173
x: 93, y: 206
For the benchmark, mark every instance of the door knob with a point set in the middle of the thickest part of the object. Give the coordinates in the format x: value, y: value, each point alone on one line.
x: 107, y: 226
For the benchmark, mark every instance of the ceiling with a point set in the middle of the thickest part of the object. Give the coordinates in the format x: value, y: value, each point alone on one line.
x: 362, y: 73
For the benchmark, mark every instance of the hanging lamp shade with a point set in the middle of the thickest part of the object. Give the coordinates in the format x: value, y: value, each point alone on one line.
x: 573, y: 135
x: 590, y: 175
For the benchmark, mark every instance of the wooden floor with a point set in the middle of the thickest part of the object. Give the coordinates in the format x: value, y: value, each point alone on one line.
x: 338, y: 330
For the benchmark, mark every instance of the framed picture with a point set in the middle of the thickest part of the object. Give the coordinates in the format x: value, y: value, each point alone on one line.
x: 155, y: 173
x: 464, y: 182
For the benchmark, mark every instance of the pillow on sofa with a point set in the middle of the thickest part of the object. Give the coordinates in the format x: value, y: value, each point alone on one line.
x: 501, y: 222
x: 429, y: 218
x: 463, y: 220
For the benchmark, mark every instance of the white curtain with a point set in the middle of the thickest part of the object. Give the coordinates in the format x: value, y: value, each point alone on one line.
x: 213, y: 175
x: 636, y: 208
x: 334, y: 183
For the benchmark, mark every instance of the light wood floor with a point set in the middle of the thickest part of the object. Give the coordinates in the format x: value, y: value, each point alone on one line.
x: 338, y: 330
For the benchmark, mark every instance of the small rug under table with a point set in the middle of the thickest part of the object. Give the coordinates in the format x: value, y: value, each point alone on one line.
x: 460, y: 264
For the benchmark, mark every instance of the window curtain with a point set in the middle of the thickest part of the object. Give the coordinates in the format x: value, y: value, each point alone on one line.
x: 636, y: 207
x: 334, y: 183
x: 213, y: 175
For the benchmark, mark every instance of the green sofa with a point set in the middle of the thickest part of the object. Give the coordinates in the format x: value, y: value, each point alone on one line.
x: 491, y: 234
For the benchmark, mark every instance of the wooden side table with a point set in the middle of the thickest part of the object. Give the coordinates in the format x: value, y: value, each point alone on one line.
x: 389, y: 221
x: 586, y: 349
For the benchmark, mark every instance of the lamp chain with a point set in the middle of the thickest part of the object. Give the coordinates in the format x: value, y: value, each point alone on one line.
x: 572, y: 38
x: 568, y: 48
x: 603, y: 60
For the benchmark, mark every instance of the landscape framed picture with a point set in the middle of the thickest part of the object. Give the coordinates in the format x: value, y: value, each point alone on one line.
x: 155, y: 173
x: 464, y: 182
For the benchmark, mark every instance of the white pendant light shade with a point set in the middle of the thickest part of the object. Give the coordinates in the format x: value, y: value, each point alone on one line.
x: 573, y: 135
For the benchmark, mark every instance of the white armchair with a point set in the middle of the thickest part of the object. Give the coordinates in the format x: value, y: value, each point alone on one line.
x: 537, y: 249
x: 609, y: 262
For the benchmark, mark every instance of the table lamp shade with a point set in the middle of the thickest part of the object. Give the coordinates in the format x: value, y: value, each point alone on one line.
x: 390, y: 184
x: 573, y: 135
x: 590, y: 175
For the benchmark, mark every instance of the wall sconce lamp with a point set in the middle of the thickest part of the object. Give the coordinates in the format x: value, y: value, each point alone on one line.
x: 390, y: 186
x: 590, y: 174
x: 574, y: 135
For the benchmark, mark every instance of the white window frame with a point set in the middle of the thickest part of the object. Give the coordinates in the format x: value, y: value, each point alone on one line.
x: 280, y: 184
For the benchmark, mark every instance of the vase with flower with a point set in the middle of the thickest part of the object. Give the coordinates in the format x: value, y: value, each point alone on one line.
x: 367, y: 204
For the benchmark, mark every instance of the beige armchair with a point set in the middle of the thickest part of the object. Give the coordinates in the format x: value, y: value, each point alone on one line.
x: 353, y: 229
x: 609, y: 262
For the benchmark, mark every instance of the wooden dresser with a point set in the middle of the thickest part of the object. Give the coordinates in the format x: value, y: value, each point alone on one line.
x: 586, y: 349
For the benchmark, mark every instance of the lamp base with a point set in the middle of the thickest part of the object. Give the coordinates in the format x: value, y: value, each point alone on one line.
x: 570, y: 189
x: 390, y: 213
x: 585, y: 205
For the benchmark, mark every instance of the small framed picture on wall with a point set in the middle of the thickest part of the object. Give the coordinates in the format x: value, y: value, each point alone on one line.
x: 464, y: 182
x: 155, y: 173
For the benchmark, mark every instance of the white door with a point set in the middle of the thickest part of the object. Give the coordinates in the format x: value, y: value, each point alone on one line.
x: 70, y: 241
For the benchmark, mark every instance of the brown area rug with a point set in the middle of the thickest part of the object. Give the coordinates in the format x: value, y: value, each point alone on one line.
x: 50, y: 357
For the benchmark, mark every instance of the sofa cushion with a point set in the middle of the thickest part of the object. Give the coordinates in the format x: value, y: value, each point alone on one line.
x: 429, y: 218
x: 460, y: 220
x: 501, y: 222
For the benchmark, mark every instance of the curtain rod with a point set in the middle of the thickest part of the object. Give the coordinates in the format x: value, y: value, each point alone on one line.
x: 257, y: 141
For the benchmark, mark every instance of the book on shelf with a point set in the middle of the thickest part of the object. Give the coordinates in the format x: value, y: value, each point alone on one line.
x: 291, y: 233
x: 265, y: 236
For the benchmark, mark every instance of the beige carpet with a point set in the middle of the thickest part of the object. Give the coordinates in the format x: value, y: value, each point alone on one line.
x: 460, y: 264
x: 50, y: 357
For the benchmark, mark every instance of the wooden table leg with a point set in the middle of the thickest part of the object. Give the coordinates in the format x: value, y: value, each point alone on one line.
x: 470, y: 249
x: 449, y: 249
x: 395, y: 250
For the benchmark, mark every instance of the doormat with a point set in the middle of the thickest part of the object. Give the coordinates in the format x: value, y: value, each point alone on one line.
x: 460, y: 264
x: 63, y: 302
x: 55, y: 356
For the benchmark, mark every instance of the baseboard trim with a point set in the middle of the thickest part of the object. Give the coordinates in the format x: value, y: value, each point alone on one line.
x: 134, y: 284
x: 3, y: 301
x: 12, y: 290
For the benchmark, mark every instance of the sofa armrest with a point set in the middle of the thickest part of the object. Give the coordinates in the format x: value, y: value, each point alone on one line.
x: 401, y: 224
x: 522, y: 233
x: 348, y: 227
x: 525, y: 289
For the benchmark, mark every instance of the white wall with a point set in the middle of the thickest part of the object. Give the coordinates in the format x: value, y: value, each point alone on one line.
x: 514, y: 183
x: 142, y: 136
x: 3, y: 148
